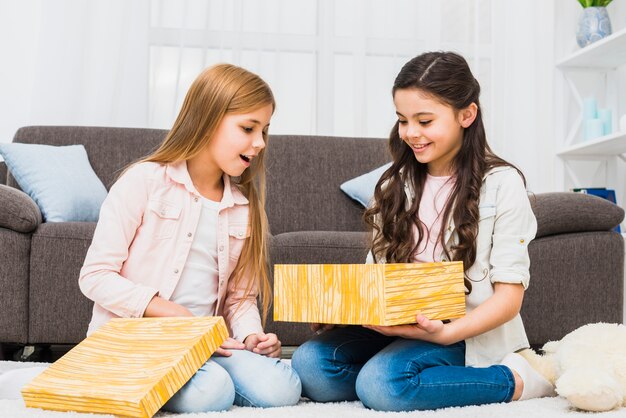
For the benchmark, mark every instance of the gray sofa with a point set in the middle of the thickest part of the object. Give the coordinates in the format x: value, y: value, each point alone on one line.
x: 577, y: 262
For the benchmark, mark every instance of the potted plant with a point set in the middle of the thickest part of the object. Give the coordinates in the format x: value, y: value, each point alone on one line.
x: 594, y: 23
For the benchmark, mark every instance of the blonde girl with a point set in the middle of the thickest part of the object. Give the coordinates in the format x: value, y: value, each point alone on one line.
x: 183, y: 232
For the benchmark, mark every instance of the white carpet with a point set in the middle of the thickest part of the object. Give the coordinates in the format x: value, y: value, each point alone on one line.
x: 536, y: 408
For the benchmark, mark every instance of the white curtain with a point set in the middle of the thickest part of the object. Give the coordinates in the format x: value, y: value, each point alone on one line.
x: 331, y: 63
x: 73, y: 62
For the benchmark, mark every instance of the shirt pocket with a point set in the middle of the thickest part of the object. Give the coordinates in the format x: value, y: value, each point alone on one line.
x: 237, y: 235
x: 165, y: 218
x: 486, y: 223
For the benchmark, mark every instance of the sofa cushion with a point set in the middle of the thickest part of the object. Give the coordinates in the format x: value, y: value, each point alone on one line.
x: 14, y: 284
x: 319, y: 247
x: 560, y: 213
x: 361, y: 188
x: 18, y: 211
x: 110, y: 150
x: 59, y: 312
x: 59, y: 179
x: 303, y: 178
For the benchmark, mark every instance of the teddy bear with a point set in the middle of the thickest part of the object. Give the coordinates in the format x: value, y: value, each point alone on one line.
x: 587, y: 366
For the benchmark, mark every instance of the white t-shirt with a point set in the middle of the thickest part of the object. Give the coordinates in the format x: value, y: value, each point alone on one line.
x: 432, y: 204
x: 197, y: 287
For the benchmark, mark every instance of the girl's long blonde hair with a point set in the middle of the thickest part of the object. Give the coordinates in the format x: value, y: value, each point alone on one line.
x: 217, y: 91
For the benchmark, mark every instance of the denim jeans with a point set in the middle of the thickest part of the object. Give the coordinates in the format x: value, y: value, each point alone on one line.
x: 243, y: 379
x: 395, y: 374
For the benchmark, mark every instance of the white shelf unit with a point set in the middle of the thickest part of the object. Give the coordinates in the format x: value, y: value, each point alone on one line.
x: 609, y: 52
x: 608, y: 145
x: 603, y: 57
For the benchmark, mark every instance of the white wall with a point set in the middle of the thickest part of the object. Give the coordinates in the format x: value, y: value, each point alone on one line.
x: 19, y: 40
x: 590, y: 171
x: 73, y: 62
x: 524, y: 133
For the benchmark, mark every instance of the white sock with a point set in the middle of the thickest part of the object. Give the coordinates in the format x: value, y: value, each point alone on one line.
x: 535, y: 385
x: 11, y: 382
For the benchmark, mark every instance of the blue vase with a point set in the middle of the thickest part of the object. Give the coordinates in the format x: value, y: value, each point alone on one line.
x: 594, y: 24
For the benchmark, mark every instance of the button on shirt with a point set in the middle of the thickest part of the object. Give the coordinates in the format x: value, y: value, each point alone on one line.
x: 142, y: 242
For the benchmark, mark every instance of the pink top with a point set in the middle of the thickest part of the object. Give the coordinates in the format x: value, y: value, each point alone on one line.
x: 142, y: 240
x: 436, y: 193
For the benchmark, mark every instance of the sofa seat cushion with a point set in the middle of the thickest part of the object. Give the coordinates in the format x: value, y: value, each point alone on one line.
x: 57, y: 254
x: 14, y: 284
x: 319, y: 247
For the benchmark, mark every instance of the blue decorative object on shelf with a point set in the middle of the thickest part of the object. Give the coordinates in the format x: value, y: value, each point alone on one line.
x: 590, y: 108
x: 606, y: 116
x: 594, y: 24
x: 593, y: 129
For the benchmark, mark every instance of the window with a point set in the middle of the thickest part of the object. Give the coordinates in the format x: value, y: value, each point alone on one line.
x: 331, y: 64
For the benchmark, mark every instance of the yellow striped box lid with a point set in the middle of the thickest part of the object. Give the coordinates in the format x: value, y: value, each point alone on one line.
x: 128, y: 367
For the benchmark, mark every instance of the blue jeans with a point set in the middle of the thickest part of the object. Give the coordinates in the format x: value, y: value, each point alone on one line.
x: 395, y: 374
x: 243, y: 379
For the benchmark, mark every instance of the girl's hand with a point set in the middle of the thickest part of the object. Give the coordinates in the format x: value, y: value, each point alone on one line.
x: 265, y: 344
x: 319, y: 328
x: 424, y: 329
x: 230, y: 343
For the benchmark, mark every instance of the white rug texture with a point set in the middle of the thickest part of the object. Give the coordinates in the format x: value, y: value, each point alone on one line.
x: 535, y: 408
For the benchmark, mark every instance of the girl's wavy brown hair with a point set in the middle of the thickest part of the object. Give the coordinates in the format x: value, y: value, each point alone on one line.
x: 445, y: 77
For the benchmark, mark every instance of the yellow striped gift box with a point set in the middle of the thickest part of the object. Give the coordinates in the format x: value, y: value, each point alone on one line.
x: 128, y: 367
x: 368, y: 294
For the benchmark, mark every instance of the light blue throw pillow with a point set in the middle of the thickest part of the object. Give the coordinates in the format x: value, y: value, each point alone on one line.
x: 59, y: 179
x: 362, y: 188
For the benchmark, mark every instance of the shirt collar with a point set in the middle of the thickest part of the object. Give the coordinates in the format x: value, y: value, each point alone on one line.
x: 495, y: 170
x: 178, y: 173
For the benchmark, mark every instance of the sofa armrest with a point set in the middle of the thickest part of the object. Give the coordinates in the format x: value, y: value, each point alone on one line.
x: 561, y: 213
x: 18, y: 212
x: 575, y: 279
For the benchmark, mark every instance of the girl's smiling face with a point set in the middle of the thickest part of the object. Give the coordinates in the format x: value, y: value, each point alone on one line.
x: 433, y: 130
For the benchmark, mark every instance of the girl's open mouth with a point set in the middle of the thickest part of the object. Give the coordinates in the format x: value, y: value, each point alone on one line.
x: 419, y: 148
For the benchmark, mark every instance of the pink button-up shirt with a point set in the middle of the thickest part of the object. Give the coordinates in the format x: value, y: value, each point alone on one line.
x: 142, y: 240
